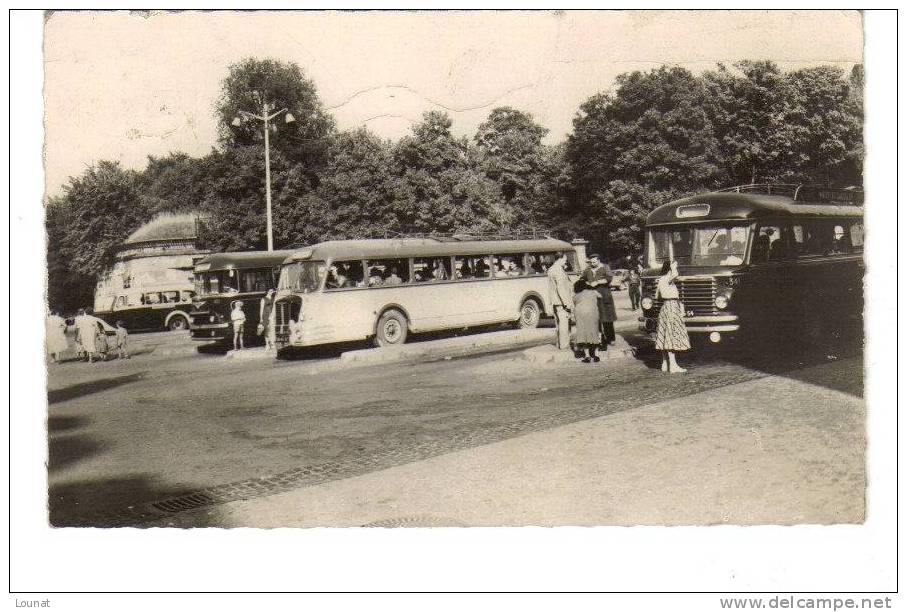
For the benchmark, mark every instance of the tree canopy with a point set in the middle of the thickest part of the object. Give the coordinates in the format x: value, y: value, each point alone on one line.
x: 656, y: 136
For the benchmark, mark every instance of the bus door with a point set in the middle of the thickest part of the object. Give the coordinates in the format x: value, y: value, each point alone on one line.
x: 771, y: 286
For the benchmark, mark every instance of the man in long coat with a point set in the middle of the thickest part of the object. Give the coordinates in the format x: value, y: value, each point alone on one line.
x: 560, y: 293
x: 598, y: 276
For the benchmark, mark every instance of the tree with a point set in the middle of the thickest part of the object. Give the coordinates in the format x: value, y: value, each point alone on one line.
x: 438, y: 185
x: 174, y: 183
x: 85, y: 228
x: 511, y: 154
x: 252, y: 82
x: 632, y: 149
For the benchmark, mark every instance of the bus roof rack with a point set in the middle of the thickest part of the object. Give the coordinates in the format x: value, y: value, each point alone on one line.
x: 465, y: 237
x: 803, y: 192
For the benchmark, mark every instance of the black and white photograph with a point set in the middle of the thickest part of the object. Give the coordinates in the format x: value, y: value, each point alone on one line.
x: 454, y: 270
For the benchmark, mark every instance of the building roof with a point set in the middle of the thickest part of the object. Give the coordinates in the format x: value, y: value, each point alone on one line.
x: 730, y: 206
x: 165, y: 227
x: 421, y: 247
x: 241, y: 260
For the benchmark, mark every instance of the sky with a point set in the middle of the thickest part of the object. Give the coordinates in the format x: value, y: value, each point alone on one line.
x: 123, y: 86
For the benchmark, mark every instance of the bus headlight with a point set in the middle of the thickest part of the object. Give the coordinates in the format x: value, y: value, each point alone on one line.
x: 721, y: 302
x: 646, y: 303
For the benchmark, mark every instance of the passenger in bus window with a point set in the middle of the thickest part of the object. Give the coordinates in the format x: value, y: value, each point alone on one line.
x: 439, y: 270
x: 392, y: 278
x: 839, y: 245
x: 375, y: 278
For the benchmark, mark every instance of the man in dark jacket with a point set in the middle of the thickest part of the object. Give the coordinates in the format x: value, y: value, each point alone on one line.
x: 598, y: 276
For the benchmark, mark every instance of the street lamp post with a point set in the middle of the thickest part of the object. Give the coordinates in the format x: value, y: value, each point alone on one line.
x: 265, y: 118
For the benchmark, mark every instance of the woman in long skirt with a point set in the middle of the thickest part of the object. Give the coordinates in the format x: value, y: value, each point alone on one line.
x: 588, y: 324
x: 56, y: 336
x: 671, y: 333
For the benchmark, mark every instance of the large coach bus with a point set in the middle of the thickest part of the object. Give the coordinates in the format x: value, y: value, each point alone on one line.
x: 350, y: 290
x: 761, y: 260
x: 223, y: 278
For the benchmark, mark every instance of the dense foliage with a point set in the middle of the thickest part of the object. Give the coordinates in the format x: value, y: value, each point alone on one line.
x: 656, y: 136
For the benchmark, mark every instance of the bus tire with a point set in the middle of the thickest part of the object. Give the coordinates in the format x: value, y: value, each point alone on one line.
x: 530, y: 314
x: 392, y: 329
x: 178, y: 323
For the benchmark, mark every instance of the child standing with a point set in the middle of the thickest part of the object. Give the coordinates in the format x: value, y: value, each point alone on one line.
x: 238, y: 317
x: 588, y: 322
x: 122, y: 336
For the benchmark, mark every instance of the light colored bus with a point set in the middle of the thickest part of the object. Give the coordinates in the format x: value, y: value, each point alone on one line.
x: 348, y: 290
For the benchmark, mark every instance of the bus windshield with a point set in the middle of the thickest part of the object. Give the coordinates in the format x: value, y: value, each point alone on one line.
x: 302, y: 276
x: 213, y: 283
x: 700, y: 245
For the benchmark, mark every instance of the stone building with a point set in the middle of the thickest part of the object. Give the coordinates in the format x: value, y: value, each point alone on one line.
x: 157, y: 257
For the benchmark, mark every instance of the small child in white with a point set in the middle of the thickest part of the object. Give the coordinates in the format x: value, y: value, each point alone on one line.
x: 122, y: 336
x: 238, y: 317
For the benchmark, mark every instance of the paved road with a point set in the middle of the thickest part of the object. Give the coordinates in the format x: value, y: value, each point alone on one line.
x: 135, y: 441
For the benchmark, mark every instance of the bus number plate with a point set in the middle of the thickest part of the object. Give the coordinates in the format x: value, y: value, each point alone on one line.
x: 690, y: 313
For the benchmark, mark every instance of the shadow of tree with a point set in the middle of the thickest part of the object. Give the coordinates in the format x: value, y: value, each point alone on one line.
x: 65, y: 423
x: 824, y: 366
x: 63, y: 451
x: 87, y: 388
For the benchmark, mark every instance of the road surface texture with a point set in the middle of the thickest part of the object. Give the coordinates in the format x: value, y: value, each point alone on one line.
x: 492, y: 439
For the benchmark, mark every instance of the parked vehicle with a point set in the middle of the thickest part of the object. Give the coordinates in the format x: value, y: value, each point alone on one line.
x: 149, y: 309
x: 384, y: 290
x: 761, y: 259
x: 223, y: 278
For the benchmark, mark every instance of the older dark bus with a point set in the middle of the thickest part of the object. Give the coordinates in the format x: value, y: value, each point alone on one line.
x: 761, y: 260
x: 223, y: 278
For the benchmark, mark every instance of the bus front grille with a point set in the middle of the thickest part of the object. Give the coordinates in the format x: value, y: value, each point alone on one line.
x: 697, y: 295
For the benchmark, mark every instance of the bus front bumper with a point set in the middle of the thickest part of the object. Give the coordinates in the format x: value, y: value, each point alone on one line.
x: 208, y: 332
x: 306, y: 335
x: 703, y: 324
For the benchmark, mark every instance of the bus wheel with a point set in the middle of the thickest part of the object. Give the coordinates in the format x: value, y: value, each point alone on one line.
x: 530, y: 314
x: 391, y: 329
x: 178, y: 323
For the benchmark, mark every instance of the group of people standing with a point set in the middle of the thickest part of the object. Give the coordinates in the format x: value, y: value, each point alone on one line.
x: 588, y: 303
x: 90, y: 335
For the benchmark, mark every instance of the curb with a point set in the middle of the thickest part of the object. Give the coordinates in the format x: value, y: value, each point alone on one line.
x: 450, y: 347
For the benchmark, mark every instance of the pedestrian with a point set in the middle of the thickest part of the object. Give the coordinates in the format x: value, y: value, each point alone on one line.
x: 55, y: 328
x: 560, y: 294
x: 265, y: 314
x: 238, y: 318
x: 87, y: 334
x: 598, y: 276
x: 122, y: 337
x: 671, y: 333
x: 588, y: 325
x: 100, y: 339
x: 634, y: 283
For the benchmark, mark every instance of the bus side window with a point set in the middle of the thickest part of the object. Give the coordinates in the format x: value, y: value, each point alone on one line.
x: 383, y: 272
x: 468, y: 267
x: 840, y: 241
x: 540, y: 262
x: 345, y: 275
x: 427, y: 269
x: 856, y: 236
x: 507, y: 265
x: 765, y: 239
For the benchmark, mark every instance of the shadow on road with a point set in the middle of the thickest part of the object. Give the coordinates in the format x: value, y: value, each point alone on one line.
x: 830, y: 366
x: 87, y: 388
x: 64, y: 451
x: 95, y: 503
x: 65, y: 423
